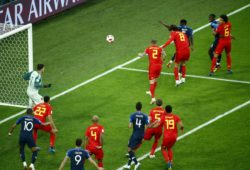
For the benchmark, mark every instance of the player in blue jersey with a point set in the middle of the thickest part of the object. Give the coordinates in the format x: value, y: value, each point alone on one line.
x: 77, y: 157
x: 138, y: 121
x: 214, y: 24
x: 26, y: 136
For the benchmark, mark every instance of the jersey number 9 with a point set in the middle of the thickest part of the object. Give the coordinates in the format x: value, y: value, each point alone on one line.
x: 78, y: 159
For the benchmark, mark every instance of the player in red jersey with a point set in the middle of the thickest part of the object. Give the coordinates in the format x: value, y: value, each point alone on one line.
x: 156, y: 56
x: 170, y: 134
x: 182, y: 53
x: 224, y: 33
x: 41, y: 112
x: 94, y: 140
x: 154, y: 115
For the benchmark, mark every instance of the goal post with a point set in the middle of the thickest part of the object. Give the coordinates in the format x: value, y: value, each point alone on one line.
x: 16, y: 56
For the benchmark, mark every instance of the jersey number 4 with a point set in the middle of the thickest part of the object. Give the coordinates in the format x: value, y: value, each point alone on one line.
x: 93, y: 134
x: 138, y: 122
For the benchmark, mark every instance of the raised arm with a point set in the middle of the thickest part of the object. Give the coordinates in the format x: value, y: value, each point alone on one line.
x: 165, y: 25
x: 168, y: 42
x: 63, y: 162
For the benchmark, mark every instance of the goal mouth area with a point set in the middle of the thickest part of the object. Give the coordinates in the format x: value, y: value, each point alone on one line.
x: 16, y: 55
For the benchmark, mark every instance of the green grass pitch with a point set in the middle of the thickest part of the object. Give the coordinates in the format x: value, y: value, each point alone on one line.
x: 72, y: 46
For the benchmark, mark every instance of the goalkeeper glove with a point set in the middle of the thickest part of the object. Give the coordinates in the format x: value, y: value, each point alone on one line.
x: 47, y: 85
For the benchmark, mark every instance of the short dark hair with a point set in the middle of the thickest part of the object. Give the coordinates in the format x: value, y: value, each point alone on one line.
x: 183, y: 21
x: 78, y: 142
x: 138, y: 106
x: 29, y: 111
x: 46, y: 99
x: 168, y: 109
x: 153, y: 41
x: 158, y: 102
x: 173, y: 28
x: 40, y: 66
x: 224, y: 17
x: 212, y: 15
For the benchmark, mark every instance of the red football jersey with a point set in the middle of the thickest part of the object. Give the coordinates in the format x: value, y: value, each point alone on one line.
x: 156, y: 114
x: 41, y: 111
x: 169, y: 122
x: 180, y: 39
x: 93, y: 133
x: 224, y: 31
x: 154, y: 54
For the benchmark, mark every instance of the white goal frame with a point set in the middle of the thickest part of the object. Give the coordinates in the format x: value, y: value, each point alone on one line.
x: 27, y: 27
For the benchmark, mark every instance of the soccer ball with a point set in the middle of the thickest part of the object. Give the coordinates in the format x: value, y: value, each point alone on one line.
x: 110, y: 38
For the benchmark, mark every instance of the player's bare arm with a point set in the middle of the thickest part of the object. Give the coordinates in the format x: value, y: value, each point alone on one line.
x: 191, y: 41
x: 12, y: 129
x: 63, y: 162
x: 154, y: 124
x: 142, y: 54
x: 94, y: 163
x: 54, y: 129
x: 101, y: 142
x: 181, y: 126
x: 163, y: 55
x: 165, y: 25
x: 130, y: 125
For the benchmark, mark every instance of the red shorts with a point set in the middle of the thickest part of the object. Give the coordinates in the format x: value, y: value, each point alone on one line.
x: 46, y: 128
x: 150, y: 132
x: 97, y: 152
x: 154, y: 71
x: 181, y: 56
x: 168, y: 141
x: 223, y: 45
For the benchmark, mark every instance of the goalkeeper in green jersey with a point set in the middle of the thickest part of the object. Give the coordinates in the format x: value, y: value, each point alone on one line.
x: 35, y: 83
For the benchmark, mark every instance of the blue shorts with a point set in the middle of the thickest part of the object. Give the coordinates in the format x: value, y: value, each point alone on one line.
x: 27, y: 140
x: 135, y: 140
x: 214, y: 45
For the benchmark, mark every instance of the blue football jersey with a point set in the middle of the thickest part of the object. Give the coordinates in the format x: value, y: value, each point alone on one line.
x: 77, y: 157
x: 27, y: 125
x: 214, y: 24
x: 186, y: 30
x: 139, y: 120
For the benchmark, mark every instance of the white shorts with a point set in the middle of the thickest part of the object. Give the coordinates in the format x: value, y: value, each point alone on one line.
x: 35, y: 97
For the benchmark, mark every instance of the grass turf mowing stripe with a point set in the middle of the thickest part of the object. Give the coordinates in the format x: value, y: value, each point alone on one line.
x: 111, y: 70
x: 193, y: 76
x: 197, y: 128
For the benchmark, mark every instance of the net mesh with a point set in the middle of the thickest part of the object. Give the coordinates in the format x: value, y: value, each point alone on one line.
x: 14, y: 63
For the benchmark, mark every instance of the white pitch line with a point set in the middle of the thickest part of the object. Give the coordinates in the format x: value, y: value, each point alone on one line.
x: 198, y: 128
x: 193, y: 76
x: 111, y: 70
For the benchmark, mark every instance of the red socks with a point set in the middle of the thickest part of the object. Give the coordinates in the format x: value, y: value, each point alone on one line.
x: 165, y: 154
x: 176, y: 76
x: 52, y: 139
x: 152, y: 90
x: 229, y: 62
x: 100, y: 164
x: 154, y: 147
x: 183, y: 71
x: 170, y: 154
x: 213, y: 64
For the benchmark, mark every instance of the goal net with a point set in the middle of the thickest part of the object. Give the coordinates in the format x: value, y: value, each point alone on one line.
x: 16, y: 59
